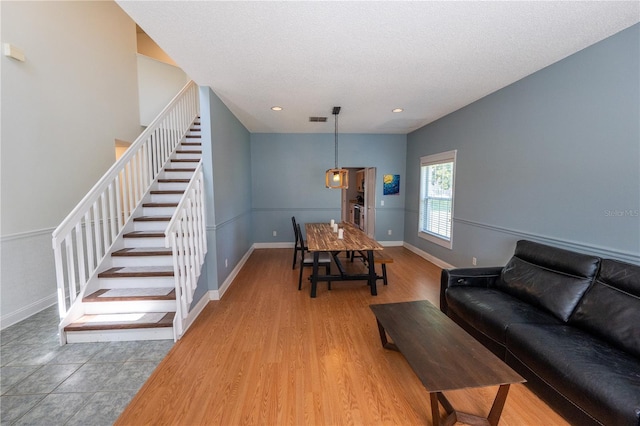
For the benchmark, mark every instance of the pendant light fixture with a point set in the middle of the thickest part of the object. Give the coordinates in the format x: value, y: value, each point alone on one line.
x: 336, y: 178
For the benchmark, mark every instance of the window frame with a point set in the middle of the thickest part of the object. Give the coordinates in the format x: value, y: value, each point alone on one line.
x: 432, y: 160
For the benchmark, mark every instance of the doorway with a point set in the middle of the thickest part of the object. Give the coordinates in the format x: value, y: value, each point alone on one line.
x: 359, y: 200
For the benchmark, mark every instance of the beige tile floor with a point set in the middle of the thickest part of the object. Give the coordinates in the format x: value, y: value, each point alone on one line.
x: 43, y: 383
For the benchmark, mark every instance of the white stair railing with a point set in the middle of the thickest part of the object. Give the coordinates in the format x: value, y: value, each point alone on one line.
x: 84, y: 238
x: 186, y: 235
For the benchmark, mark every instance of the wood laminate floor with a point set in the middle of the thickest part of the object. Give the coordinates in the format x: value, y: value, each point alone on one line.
x: 268, y: 354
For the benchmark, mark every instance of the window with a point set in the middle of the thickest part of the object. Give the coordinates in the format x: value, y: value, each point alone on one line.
x: 437, y: 177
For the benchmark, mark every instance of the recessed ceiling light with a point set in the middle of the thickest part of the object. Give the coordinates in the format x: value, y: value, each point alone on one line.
x: 276, y: 108
x: 397, y: 110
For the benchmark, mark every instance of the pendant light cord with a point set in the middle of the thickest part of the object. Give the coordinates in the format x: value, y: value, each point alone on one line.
x: 336, y: 138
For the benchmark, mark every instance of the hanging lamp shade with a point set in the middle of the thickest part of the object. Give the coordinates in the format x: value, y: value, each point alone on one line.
x: 336, y: 178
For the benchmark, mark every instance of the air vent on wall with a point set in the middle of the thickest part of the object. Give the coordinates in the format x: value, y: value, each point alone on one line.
x: 318, y: 119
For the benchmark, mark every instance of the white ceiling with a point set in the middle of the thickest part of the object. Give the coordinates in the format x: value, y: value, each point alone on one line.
x: 430, y: 58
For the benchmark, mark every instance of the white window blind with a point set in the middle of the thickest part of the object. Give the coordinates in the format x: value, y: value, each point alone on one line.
x: 437, y: 178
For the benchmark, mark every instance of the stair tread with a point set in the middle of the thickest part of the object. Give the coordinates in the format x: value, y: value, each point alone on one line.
x: 142, y: 251
x: 122, y: 321
x: 183, y: 151
x: 152, y: 218
x: 137, y: 271
x: 167, y: 192
x: 185, y: 160
x: 183, y: 169
x: 173, y: 180
x: 160, y: 205
x: 144, y: 234
x: 131, y: 294
x: 191, y: 144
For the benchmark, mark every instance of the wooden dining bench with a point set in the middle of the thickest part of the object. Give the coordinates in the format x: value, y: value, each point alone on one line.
x: 380, y: 258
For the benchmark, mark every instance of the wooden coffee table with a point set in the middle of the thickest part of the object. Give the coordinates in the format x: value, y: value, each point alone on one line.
x: 444, y: 357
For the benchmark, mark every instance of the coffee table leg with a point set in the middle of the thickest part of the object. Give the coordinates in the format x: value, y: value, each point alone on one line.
x: 383, y: 338
x: 453, y: 416
x: 498, y: 405
x: 435, y: 408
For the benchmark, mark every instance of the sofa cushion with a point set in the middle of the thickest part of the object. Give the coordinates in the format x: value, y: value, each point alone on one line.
x: 548, y: 277
x: 596, y: 376
x: 491, y: 311
x: 610, y: 309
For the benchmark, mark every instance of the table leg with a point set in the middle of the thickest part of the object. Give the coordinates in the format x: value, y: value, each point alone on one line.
x: 314, y: 274
x: 372, y: 273
x: 498, y: 405
x: 435, y: 409
x: 383, y: 338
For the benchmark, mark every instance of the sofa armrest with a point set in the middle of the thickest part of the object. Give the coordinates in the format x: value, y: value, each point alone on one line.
x: 475, y: 277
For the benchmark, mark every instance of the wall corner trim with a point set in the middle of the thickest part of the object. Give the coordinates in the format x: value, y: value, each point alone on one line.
x: 24, y: 313
x: 431, y: 258
x: 218, y: 294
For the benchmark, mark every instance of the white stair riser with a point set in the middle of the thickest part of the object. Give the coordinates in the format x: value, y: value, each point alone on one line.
x: 143, y: 242
x: 171, y: 186
x: 129, y: 307
x: 123, y: 261
x: 187, y: 156
x: 161, y: 333
x: 177, y: 175
x: 136, y: 282
x: 166, y: 198
x: 150, y: 225
x: 158, y: 211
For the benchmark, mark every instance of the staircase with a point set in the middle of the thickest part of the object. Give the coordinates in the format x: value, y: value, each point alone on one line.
x: 130, y: 263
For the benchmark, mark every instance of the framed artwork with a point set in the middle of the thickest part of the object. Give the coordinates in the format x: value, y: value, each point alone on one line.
x: 391, y: 185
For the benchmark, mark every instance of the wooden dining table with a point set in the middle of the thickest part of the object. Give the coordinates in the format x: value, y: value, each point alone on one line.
x: 321, y: 238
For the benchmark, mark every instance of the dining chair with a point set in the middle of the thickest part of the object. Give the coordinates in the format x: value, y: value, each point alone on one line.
x: 306, y: 258
x: 297, y: 236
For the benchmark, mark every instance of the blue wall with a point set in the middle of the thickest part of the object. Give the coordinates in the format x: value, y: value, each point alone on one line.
x: 227, y: 173
x: 554, y: 157
x: 288, y: 180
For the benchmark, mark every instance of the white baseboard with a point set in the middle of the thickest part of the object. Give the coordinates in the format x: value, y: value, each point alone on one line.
x: 27, y: 311
x: 431, y: 258
x: 217, y: 294
x: 272, y: 245
x: 195, y: 312
x: 391, y: 243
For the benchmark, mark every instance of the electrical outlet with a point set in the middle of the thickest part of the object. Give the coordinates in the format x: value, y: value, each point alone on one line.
x: 474, y: 261
x: 275, y: 233
x: 226, y: 263
x: 389, y: 232
x: 382, y: 202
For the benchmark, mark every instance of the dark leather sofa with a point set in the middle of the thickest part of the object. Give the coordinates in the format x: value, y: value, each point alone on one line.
x: 568, y: 322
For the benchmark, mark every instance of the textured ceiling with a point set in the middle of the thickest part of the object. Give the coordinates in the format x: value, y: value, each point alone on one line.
x: 430, y: 58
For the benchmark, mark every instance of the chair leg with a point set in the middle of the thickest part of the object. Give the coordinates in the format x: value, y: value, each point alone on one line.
x: 295, y: 256
x: 328, y: 270
x: 300, y: 278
